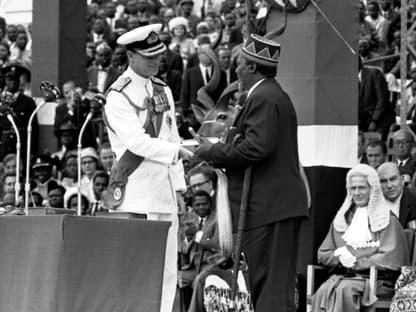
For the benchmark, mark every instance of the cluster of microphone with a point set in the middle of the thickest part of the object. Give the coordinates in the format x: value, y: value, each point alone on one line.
x: 50, y: 93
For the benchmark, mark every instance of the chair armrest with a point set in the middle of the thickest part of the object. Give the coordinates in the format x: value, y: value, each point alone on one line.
x: 373, y: 280
x: 310, y: 277
x: 310, y: 282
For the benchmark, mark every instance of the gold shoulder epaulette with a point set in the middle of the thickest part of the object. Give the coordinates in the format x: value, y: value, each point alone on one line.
x: 158, y: 81
x: 120, y: 84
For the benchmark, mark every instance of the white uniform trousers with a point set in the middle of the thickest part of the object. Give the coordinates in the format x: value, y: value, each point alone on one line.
x: 171, y: 260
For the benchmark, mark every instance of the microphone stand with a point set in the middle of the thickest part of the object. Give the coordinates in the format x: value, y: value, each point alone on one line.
x: 18, y: 148
x: 49, y: 90
x: 28, y: 146
x: 97, y: 101
x: 79, y: 147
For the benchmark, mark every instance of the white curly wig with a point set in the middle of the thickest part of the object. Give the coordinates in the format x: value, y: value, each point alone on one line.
x: 378, y: 212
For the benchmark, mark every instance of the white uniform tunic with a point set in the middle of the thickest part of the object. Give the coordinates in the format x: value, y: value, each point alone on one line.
x: 151, y: 187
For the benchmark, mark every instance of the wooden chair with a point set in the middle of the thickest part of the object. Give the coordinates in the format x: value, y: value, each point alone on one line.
x: 316, y: 274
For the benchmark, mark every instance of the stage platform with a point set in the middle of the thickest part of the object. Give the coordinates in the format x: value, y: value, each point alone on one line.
x: 63, y: 263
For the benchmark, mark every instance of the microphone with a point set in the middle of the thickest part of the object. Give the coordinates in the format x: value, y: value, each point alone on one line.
x: 49, y: 90
x: 50, y: 93
x: 97, y: 102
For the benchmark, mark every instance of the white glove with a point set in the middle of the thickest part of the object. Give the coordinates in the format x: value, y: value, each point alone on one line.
x: 348, y: 261
x: 346, y: 258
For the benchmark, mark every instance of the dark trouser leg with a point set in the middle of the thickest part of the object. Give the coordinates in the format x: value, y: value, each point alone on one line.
x: 271, y: 252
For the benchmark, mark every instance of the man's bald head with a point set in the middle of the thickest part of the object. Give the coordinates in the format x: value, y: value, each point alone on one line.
x: 391, y: 181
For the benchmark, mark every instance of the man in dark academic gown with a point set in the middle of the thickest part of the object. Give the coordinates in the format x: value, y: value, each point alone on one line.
x: 264, y: 137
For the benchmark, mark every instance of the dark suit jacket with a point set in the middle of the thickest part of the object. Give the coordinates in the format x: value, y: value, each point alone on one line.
x: 236, y: 37
x: 173, y: 79
x: 374, y: 104
x: 265, y: 138
x: 198, y: 253
x: 407, y: 210
x: 174, y: 61
x: 408, y: 168
x: 23, y: 107
x: 193, y: 81
x: 193, y: 60
x: 112, y: 76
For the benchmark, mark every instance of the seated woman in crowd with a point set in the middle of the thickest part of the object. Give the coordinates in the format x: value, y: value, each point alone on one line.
x: 71, y: 201
x: 89, y: 165
x: 364, y: 233
x: 69, y: 170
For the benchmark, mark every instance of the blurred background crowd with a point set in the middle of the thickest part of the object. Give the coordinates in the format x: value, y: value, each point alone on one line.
x: 188, y: 28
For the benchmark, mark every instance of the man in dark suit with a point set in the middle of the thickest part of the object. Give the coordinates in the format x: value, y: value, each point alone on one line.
x: 375, y: 111
x: 402, y: 145
x: 231, y: 34
x: 264, y: 137
x: 102, y: 74
x: 201, y: 240
x: 224, y: 57
x: 174, y: 60
x: 74, y: 109
x: 402, y: 200
x: 22, y: 108
x: 199, y: 76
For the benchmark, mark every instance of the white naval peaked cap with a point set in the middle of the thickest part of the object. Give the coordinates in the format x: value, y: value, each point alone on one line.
x: 144, y: 40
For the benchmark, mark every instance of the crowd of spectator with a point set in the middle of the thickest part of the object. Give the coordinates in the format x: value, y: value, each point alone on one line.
x: 185, y: 69
x: 379, y: 119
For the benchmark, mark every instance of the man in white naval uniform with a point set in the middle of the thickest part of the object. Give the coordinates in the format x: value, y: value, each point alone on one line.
x: 140, y: 119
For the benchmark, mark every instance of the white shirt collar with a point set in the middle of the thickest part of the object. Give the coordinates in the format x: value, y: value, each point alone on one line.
x: 254, y: 87
x: 203, y: 71
x: 403, y: 162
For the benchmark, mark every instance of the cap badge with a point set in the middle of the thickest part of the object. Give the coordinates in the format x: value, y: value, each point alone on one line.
x: 152, y: 38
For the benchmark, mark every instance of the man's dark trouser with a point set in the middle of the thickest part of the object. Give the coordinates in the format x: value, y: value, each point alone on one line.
x: 271, y: 252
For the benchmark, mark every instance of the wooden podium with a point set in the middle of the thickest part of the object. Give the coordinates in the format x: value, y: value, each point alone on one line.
x: 63, y: 263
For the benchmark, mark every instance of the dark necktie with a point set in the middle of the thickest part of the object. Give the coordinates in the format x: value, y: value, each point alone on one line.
x: 201, y: 223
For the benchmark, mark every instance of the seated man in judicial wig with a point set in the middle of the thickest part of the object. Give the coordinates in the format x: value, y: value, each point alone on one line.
x: 364, y: 233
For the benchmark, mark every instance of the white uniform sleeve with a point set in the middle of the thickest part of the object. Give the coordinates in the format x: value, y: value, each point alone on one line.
x: 123, y: 119
x: 177, y: 170
x: 174, y: 134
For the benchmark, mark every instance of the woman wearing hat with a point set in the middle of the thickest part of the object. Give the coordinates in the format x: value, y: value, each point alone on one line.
x: 89, y: 162
x: 69, y: 169
x: 180, y: 42
x: 66, y: 135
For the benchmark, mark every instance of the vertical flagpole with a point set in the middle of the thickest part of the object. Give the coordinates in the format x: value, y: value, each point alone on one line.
x: 249, y: 26
x: 403, y: 64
